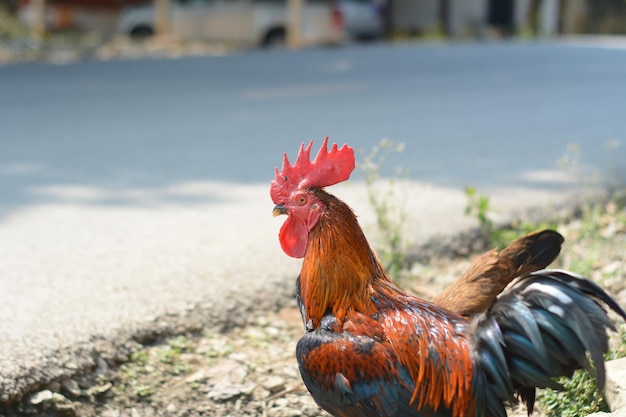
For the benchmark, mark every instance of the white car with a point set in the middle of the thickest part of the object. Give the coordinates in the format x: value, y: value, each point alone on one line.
x: 252, y: 22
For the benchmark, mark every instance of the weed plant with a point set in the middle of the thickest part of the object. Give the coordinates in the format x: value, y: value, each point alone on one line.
x: 389, y: 206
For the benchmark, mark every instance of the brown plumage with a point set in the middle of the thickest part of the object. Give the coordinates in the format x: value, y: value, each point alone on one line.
x: 490, y: 273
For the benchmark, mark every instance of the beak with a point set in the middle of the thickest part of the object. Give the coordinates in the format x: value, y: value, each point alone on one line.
x: 278, y: 210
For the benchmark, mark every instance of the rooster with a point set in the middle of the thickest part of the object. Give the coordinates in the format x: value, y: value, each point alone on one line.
x: 371, y: 349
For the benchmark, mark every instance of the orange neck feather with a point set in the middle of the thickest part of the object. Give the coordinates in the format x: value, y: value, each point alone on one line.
x: 340, y: 271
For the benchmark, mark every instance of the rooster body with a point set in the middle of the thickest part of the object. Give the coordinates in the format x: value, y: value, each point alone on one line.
x: 371, y: 349
x: 369, y: 366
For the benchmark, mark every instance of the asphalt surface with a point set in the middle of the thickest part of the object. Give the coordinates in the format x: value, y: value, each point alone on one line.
x: 135, y: 194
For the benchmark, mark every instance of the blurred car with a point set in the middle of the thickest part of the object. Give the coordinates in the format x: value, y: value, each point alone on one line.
x: 362, y: 19
x: 253, y: 22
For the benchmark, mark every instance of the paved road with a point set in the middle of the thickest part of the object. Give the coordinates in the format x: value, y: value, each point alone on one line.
x: 134, y: 194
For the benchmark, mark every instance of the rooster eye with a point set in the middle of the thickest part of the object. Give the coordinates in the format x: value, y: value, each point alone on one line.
x: 301, y: 200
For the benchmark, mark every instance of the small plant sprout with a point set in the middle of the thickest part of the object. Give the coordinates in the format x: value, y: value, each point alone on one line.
x: 388, y: 203
x: 479, y: 206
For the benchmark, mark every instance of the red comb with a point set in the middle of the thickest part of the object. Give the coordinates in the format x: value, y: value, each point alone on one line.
x: 328, y: 168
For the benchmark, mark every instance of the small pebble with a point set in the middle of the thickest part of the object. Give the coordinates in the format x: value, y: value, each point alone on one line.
x: 224, y: 393
x: 273, y: 383
x: 40, y: 397
x: 71, y: 387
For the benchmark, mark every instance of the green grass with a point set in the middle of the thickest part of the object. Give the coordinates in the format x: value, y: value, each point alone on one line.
x: 479, y: 206
x: 580, y: 397
x: 140, y: 375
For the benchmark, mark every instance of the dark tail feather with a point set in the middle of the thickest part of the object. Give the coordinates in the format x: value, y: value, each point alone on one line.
x: 543, y: 328
x: 534, y: 251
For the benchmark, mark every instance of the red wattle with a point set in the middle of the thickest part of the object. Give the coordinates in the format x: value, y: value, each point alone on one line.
x: 294, y: 236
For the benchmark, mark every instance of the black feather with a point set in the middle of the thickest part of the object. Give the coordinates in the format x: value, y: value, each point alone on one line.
x: 543, y: 327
